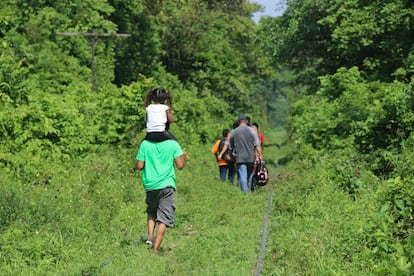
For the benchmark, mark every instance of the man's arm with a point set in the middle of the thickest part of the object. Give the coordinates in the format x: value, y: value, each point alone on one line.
x: 180, y: 160
x: 259, y: 154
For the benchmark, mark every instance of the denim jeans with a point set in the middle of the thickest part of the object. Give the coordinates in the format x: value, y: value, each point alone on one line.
x: 231, y: 172
x: 245, y: 175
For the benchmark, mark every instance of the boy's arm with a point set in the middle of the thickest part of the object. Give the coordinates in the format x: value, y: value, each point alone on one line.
x: 180, y: 160
x: 140, y: 165
x: 225, y: 147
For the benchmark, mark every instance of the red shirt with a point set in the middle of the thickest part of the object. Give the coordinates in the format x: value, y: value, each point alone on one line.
x: 261, y: 138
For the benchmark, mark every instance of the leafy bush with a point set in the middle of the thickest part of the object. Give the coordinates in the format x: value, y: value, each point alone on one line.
x: 391, y: 235
x: 373, y: 116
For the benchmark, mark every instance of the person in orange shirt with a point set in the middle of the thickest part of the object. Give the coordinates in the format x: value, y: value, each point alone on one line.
x: 226, y: 165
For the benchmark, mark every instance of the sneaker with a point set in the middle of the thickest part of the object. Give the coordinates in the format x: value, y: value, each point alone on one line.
x: 148, y: 242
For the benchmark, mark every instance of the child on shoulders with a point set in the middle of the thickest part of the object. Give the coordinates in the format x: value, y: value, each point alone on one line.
x: 158, y: 105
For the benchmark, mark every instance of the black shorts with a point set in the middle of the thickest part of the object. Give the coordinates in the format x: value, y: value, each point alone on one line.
x: 161, y: 205
x: 159, y: 136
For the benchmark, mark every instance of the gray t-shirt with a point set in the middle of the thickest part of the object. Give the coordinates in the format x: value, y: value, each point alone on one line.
x: 243, y: 141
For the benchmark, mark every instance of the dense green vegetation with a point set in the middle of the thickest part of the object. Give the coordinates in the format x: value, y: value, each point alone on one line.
x: 330, y: 83
x: 352, y: 69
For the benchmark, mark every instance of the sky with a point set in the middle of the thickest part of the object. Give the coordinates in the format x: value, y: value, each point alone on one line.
x: 272, y: 8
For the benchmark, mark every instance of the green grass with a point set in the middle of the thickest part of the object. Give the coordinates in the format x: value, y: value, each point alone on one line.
x: 316, y: 228
x: 89, y: 219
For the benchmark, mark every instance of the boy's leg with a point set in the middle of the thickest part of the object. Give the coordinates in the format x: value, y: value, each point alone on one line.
x: 165, y: 215
x: 150, y: 200
x: 169, y: 136
x: 151, y: 227
x: 223, y: 172
x: 232, y: 172
x: 162, y: 228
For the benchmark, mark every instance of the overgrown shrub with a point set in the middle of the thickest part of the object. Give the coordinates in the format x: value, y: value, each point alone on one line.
x: 391, y: 235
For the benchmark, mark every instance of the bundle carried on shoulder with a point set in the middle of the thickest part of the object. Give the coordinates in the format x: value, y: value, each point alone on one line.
x: 261, y: 174
x: 228, y: 154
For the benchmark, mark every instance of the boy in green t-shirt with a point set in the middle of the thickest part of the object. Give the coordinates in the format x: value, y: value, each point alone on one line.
x: 157, y: 160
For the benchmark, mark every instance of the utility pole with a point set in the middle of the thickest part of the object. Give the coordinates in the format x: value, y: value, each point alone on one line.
x: 93, y: 38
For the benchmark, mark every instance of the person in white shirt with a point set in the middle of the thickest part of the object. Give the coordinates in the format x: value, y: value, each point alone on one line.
x: 158, y: 105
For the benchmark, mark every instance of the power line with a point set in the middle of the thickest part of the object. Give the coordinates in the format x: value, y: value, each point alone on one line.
x: 91, y: 34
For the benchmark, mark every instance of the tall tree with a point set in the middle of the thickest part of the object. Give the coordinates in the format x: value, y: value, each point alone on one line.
x: 316, y: 37
x: 377, y: 36
x: 209, y: 44
x: 139, y: 54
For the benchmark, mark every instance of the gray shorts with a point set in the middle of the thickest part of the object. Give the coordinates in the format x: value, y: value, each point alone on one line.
x: 161, y: 205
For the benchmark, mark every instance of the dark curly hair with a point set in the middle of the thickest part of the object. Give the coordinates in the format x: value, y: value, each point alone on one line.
x: 158, y: 95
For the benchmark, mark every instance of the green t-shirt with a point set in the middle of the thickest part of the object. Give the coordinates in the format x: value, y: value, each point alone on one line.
x: 159, y: 169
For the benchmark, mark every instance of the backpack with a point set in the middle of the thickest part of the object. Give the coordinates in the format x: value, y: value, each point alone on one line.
x: 261, y: 174
x: 227, y: 156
